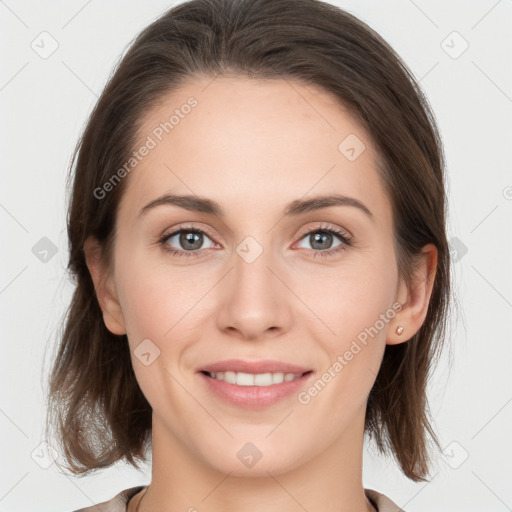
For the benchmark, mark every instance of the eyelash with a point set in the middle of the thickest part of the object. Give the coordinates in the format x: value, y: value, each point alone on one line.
x: 346, y: 241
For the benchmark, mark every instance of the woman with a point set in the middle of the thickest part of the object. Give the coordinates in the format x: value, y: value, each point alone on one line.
x: 257, y: 232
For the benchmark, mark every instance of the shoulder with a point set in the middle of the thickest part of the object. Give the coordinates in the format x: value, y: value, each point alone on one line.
x: 381, y: 502
x: 119, y: 501
x: 117, y: 504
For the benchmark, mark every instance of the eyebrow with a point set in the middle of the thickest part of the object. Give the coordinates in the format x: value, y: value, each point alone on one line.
x: 296, y: 207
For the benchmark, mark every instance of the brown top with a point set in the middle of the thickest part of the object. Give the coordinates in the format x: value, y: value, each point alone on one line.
x: 119, y: 503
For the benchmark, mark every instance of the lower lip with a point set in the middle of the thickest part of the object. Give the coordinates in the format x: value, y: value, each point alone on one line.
x: 254, y: 397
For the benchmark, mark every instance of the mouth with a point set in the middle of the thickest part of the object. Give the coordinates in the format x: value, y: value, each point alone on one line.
x: 253, y: 385
x: 251, y: 379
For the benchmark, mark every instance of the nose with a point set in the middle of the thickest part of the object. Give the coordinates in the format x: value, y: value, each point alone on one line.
x: 255, y: 301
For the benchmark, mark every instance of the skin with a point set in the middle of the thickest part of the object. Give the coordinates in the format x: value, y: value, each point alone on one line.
x: 253, y: 146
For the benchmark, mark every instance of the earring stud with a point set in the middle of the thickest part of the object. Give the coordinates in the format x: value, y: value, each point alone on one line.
x: 399, y: 330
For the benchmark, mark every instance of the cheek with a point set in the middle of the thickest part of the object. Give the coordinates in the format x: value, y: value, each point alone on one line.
x: 159, y: 300
x: 354, y: 304
x: 350, y: 298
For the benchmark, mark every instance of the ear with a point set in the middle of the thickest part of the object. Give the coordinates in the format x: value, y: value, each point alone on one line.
x: 105, y: 287
x: 415, y: 298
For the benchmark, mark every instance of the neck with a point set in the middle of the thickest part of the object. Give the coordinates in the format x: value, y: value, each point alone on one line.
x: 330, y: 482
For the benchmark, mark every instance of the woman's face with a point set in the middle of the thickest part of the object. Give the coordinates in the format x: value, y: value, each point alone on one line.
x: 261, y: 280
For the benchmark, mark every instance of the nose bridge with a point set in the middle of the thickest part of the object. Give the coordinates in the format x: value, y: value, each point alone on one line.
x: 254, y: 300
x: 252, y: 276
x: 252, y: 262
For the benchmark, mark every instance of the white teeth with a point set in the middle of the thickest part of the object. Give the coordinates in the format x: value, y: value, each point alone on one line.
x: 259, y: 379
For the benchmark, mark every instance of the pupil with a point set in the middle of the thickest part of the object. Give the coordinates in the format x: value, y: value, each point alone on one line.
x: 319, y: 237
x: 187, y: 240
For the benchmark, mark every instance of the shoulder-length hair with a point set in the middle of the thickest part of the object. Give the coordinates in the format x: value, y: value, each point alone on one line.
x: 95, y: 404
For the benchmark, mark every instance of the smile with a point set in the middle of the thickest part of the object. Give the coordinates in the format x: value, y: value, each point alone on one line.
x: 254, y: 391
x: 250, y: 379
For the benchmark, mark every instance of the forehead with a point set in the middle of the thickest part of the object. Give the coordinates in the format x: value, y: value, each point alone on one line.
x: 247, y: 143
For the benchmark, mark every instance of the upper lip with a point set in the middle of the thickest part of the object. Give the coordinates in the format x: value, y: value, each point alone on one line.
x: 254, y: 367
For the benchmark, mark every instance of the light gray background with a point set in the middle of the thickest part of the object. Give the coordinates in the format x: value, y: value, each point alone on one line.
x: 44, y: 104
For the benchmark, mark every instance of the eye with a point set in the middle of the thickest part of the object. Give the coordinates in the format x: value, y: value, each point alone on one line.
x: 190, y: 241
x: 320, y: 240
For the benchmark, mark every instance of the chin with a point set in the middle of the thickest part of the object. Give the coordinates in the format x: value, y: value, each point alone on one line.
x: 254, y: 459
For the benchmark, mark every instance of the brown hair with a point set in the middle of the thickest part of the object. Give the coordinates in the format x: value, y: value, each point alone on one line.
x: 94, y: 401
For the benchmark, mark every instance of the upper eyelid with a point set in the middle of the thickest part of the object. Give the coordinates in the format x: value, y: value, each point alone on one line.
x: 181, y: 228
x: 327, y: 227
x: 302, y: 232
